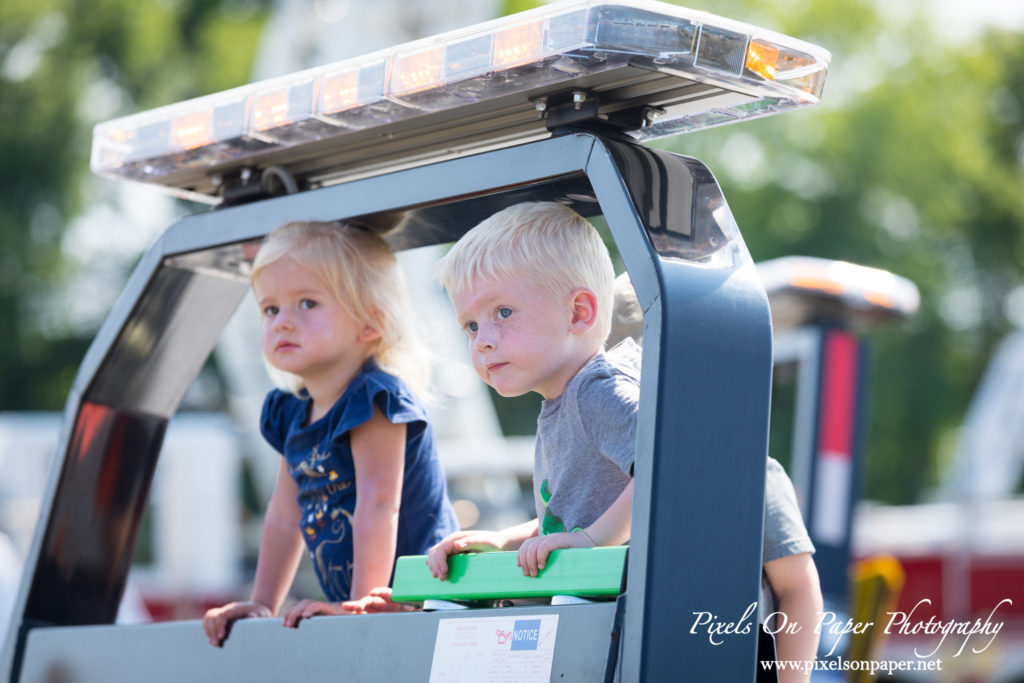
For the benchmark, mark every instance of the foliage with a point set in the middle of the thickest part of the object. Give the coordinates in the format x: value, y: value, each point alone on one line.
x: 63, y: 65
x: 910, y: 164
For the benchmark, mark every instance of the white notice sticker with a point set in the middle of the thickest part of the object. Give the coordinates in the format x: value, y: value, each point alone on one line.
x: 494, y: 649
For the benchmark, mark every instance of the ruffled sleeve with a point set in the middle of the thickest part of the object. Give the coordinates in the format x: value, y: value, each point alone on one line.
x: 374, y: 387
x: 279, y: 411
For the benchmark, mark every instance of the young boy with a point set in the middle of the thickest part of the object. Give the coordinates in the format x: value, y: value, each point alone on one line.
x: 532, y: 287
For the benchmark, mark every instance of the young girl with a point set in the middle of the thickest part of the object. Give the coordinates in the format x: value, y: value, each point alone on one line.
x: 336, y: 324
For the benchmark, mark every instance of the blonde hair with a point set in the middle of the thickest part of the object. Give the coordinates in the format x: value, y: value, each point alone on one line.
x: 360, y: 269
x: 546, y: 242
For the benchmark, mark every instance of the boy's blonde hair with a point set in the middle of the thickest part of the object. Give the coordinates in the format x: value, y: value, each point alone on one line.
x: 360, y: 269
x: 545, y: 242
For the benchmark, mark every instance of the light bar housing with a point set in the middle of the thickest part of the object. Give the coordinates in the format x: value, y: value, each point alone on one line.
x: 646, y: 69
x: 802, y: 289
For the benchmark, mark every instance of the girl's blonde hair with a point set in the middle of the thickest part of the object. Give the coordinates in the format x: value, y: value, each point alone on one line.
x: 545, y: 242
x: 360, y: 269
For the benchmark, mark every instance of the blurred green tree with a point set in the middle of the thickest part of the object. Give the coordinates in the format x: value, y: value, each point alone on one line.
x: 63, y: 64
x: 912, y: 163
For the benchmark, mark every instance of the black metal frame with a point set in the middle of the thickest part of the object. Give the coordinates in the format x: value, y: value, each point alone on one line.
x: 703, y: 425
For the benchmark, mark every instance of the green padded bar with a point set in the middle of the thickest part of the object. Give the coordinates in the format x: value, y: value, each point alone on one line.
x: 582, y: 572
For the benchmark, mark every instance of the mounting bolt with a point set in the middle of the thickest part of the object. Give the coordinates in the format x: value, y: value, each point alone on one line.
x: 245, y: 175
x: 541, y: 106
x: 578, y: 98
x: 650, y: 116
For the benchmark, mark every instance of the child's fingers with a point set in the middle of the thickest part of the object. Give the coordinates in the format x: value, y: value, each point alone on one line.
x: 542, y: 557
x: 527, y: 558
x: 437, y: 561
x: 355, y: 606
x: 294, y: 614
x: 215, y: 624
x: 212, y: 629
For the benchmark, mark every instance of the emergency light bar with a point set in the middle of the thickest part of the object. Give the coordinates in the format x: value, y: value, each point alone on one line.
x: 801, y: 288
x: 645, y: 69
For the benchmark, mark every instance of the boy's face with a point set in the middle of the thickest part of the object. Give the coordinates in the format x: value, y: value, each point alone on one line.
x: 520, y: 336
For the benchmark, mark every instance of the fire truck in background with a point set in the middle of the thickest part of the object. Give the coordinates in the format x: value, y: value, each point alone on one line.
x: 954, y: 563
x: 962, y: 553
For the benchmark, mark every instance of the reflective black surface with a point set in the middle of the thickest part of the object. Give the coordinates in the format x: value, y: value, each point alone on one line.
x: 679, y: 202
x: 95, y: 517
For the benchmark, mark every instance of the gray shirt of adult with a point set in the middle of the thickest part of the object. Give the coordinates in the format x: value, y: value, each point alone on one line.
x: 586, y: 441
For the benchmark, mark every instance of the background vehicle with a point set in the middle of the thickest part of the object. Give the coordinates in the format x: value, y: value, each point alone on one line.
x: 955, y: 560
x: 962, y: 553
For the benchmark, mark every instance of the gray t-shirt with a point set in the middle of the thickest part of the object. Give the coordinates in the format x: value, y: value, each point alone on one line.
x: 586, y: 440
x: 784, y: 530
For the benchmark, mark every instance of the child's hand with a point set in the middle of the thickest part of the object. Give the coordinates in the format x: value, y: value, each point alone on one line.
x: 533, y: 553
x: 218, y: 620
x: 462, y: 542
x: 304, y: 609
x: 376, y: 601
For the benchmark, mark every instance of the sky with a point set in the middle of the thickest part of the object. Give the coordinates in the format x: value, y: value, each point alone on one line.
x: 954, y: 15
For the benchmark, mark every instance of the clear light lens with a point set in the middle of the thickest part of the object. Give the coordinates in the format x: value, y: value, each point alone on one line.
x: 568, y: 31
x: 282, y: 112
x: 721, y: 50
x: 645, y: 32
x: 468, y: 58
x: 726, y: 72
x: 354, y: 96
x: 193, y: 134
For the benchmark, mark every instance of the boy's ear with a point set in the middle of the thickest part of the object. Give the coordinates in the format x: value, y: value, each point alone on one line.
x: 584, y: 310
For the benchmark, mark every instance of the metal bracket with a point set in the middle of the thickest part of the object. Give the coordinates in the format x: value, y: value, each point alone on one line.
x: 578, y: 111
